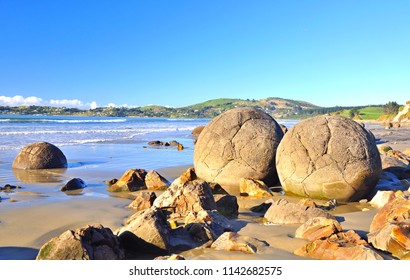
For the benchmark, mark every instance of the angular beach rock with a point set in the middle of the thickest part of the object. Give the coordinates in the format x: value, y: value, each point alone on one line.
x: 284, y: 212
x: 240, y: 143
x: 74, y: 184
x: 192, y: 196
x: 339, y: 246
x: 328, y: 157
x: 217, y: 189
x: 132, y: 180
x: 390, y: 228
x: 142, y: 201
x: 381, y: 198
x: 399, y: 155
x: 318, y: 228
x: 216, y: 222
x: 90, y: 243
x: 187, y: 176
x: 255, y: 188
x: 146, y: 231
x: 40, y: 155
x: 154, y: 181
x: 231, y: 241
x: 227, y: 205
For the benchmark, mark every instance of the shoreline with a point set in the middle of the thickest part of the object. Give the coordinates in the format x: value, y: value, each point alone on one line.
x: 25, y: 229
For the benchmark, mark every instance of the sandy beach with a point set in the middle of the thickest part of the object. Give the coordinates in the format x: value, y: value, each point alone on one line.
x: 40, y: 211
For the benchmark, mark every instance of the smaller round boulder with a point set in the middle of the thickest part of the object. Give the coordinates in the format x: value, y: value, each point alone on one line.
x: 40, y: 155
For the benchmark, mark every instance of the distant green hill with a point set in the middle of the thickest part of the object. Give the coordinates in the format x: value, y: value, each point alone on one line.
x: 279, y: 108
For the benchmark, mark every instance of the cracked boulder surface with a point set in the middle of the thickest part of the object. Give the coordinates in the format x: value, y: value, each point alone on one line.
x: 240, y: 143
x: 328, y: 157
x: 40, y: 155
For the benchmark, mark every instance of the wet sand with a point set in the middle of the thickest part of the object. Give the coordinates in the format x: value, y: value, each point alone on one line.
x: 24, y: 227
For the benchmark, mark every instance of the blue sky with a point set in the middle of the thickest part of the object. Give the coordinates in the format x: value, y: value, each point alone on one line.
x: 177, y: 53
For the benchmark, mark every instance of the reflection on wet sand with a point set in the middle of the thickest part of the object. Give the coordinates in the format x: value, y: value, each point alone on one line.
x: 40, y: 175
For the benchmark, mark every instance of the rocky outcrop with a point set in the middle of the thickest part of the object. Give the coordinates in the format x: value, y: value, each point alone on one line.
x: 318, y: 228
x: 216, y: 222
x: 40, y: 155
x: 240, y: 143
x: 154, y: 181
x: 339, y: 246
x: 146, y: 231
x: 231, y: 241
x: 132, y: 180
x: 328, y: 157
x: 254, y: 188
x: 191, y: 196
x: 90, y: 243
x: 142, y: 201
x: 390, y: 228
x: 284, y: 212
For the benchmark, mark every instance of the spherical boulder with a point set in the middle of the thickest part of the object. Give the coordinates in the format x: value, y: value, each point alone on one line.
x: 328, y: 157
x: 40, y: 155
x: 240, y: 143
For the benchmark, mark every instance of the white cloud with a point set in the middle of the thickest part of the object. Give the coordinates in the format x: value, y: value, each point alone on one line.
x: 19, y: 100
x: 93, y: 105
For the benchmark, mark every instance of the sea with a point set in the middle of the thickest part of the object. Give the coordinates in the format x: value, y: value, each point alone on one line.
x: 96, y: 148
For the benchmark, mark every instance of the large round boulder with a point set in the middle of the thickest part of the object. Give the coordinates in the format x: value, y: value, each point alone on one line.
x: 328, y: 157
x: 240, y: 143
x: 40, y: 155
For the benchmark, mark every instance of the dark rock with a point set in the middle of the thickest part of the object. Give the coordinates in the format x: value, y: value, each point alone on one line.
x: 40, y: 155
x: 217, y: 189
x: 9, y: 188
x: 156, y: 143
x: 262, y: 208
x: 227, y: 205
x: 74, y: 184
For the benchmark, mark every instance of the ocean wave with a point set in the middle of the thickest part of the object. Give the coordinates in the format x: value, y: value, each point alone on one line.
x: 75, y: 121
x: 127, y: 130
x: 89, y: 121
